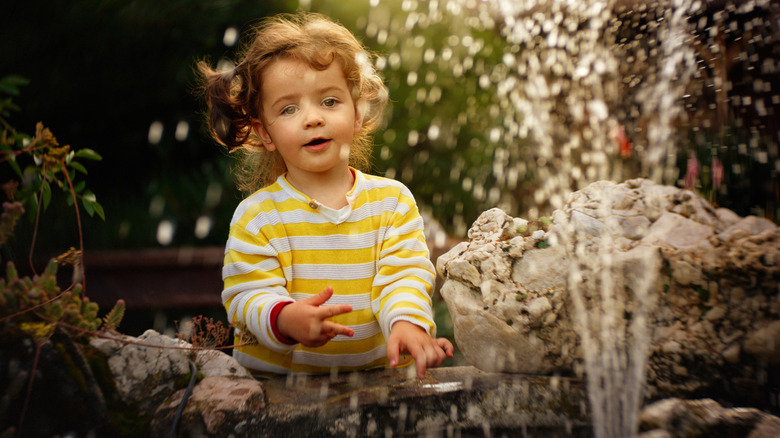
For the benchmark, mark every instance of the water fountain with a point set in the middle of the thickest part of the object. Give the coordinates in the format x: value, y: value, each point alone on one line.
x: 584, y: 91
x: 563, y: 93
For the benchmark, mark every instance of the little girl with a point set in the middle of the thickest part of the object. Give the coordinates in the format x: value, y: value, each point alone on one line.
x: 326, y: 266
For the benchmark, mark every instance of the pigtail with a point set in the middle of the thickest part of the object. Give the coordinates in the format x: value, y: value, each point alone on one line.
x: 226, y: 95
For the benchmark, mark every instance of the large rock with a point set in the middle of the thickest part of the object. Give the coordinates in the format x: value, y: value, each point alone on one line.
x: 389, y: 402
x: 217, y: 406
x: 147, y: 369
x: 704, y: 280
x: 394, y: 402
x: 150, y: 372
x: 674, y: 418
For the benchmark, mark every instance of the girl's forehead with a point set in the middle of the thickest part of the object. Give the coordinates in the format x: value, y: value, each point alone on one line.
x: 293, y: 65
x: 285, y: 70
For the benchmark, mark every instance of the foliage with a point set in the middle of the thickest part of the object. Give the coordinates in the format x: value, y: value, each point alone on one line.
x: 440, y: 138
x: 114, y: 317
x: 38, y: 299
x: 37, y: 302
x: 49, y: 165
x: 34, y: 307
x: 203, y: 332
x: 10, y: 216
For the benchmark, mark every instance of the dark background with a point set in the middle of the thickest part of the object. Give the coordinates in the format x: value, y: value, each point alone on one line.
x: 101, y: 72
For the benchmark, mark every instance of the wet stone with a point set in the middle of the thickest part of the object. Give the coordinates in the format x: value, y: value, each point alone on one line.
x: 462, y: 399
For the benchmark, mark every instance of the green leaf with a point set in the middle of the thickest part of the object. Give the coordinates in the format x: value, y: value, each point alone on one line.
x: 79, y: 187
x: 88, y: 154
x: 76, y: 165
x: 8, y: 89
x: 99, y: 211
x: 6, y: 103
x: 88, y: 206
x: 46, y: 194
x: 14, y: 80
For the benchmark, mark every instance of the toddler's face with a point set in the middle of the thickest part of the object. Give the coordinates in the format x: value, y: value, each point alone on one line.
x: 308, y: 116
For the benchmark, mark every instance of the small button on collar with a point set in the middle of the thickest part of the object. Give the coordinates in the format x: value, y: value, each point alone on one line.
x: 313, y: 204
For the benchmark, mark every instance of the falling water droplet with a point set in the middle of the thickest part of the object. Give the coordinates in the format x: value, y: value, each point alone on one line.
x: 182, y: 130
x: 165, y: 231
x: 155, y: 132
x: 230, y: 37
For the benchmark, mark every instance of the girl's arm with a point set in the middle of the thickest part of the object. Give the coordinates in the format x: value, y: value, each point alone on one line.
x: 403, y: 284
x: 254, y: 285
x: 403, y: 288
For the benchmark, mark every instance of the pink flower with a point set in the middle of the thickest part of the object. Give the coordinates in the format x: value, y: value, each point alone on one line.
x: 717, y: 172
x: 693, y: 171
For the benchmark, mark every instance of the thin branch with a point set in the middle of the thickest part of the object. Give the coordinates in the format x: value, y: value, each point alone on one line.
x: 141, y: 344
x: 79, y: 265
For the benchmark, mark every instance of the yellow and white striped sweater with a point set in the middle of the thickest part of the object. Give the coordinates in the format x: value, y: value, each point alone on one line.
x: 372, y: 252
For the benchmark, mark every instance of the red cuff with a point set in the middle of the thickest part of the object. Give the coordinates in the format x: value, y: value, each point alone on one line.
x: 275, y: 314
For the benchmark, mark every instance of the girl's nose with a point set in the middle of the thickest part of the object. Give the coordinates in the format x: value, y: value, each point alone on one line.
x: 313, y: 119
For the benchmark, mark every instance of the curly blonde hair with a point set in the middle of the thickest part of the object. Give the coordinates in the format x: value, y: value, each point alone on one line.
x: 234, y: 97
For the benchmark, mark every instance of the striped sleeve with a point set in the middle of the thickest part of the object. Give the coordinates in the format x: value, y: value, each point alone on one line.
x: 405, y: 276
x: 254, y: 279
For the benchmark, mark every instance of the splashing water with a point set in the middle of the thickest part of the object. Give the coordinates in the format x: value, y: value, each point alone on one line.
x: 575, y: 92
x: 574, y: 86
x: 514, y: 104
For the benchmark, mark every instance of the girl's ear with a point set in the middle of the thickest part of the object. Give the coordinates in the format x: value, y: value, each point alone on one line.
x: 261, y: 132
x: 360, y: 111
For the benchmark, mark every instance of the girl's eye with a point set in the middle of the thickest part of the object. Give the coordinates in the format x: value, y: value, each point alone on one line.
x: 289, y: 110
x: 330, y: 102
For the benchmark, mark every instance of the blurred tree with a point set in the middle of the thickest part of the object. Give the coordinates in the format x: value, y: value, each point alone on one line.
x: 442, y: 134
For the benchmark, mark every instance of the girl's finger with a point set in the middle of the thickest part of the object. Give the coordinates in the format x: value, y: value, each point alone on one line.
x: 420, y: 358
x: 393, y: 351
x: 320, y: 298
x: 446, y: 345
x: 434, y: 354
x: 336, y: 329
x: 337, y: 309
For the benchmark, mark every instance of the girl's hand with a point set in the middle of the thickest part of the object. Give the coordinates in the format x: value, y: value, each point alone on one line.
x: 426, y: 351
x: 306, y: 321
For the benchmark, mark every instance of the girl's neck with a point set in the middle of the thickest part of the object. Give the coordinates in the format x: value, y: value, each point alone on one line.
x: 329, y: 190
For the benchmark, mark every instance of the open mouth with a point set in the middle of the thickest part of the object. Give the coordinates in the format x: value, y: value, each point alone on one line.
x: 316, y: 141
